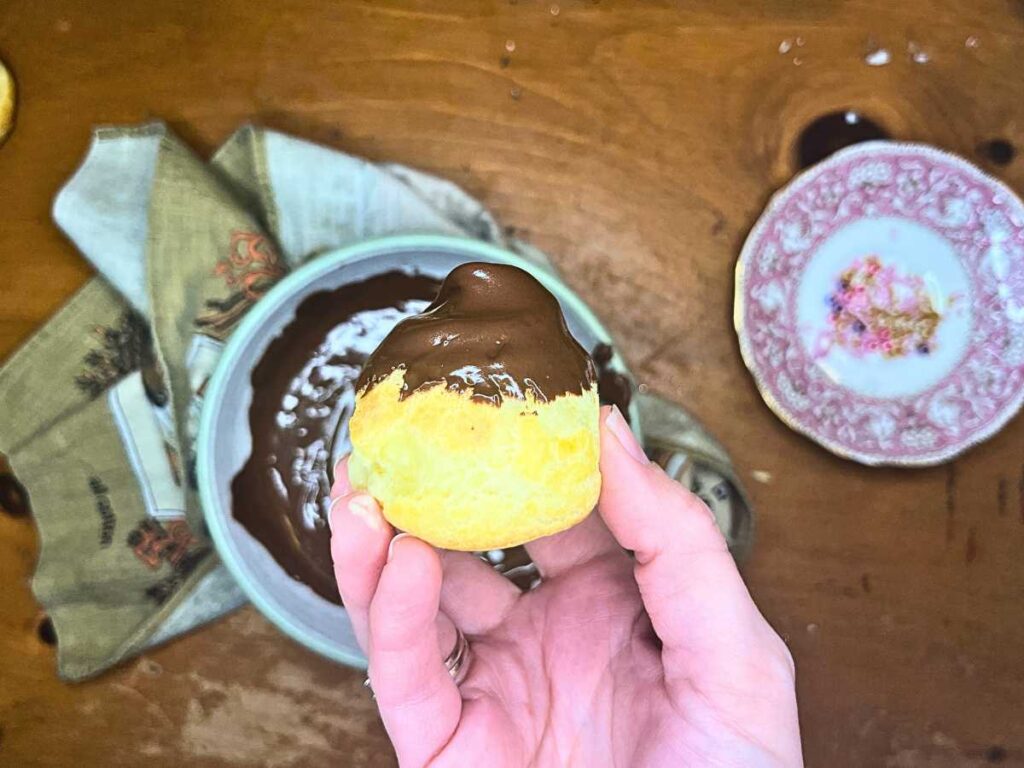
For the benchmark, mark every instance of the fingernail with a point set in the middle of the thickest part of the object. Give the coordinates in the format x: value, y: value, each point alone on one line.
x: 339, y: 478
x: 362, y: 506
x: 366, y: 509
x: 391, y: 546
x: 618, y: 427
x: 330, y: 512
x: 338, y: 464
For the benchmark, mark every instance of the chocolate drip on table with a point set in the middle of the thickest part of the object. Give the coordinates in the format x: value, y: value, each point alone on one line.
x: 303, y: 393
x: 493, y: 330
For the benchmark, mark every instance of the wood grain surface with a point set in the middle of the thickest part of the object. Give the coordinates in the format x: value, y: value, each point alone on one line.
x: 637, y: 143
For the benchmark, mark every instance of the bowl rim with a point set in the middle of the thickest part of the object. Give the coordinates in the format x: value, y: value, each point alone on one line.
x: 316, y: 268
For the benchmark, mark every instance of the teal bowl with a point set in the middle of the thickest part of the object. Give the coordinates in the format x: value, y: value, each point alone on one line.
x: 224, y: 441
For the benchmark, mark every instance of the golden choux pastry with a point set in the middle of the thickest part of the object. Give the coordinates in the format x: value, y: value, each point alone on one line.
x: 6, y: 102
x: 476, y: 423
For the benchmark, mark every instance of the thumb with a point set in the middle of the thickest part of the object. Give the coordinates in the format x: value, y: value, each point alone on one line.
x: 698, y: 604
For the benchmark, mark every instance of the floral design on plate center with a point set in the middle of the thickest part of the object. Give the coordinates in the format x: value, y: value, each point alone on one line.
x: 877, y: 309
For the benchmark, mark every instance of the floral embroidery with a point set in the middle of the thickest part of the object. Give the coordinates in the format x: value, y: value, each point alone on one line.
x: 250, y: 268
x: 252, y: 265
x: 122, y: 348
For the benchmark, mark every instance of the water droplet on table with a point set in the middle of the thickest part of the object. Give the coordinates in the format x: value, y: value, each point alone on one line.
x: 555, y: 10
x: 515, y: 92
x: 510, y: 45
x: 797, y: 61
x: 800, y: 42
x: 878, y: 57
x: 917, y: 55
x: 785, y: 46
x: 972, y: 42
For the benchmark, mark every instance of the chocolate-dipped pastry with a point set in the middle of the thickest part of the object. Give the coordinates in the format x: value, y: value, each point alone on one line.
x: 427, y: 442
x: 494, y: 331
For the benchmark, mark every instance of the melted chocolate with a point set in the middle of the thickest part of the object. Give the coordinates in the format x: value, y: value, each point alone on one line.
x: 494, y: 331
x: 613, y: 387
x: 303, y: 394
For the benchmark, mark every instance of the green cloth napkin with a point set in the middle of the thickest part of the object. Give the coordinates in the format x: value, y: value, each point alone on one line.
x: 101, y: 406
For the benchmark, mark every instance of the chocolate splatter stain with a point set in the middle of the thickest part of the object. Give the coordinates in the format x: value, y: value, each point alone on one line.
x: 998, y: 151
x: 995, y: 754
x: 832, y: 132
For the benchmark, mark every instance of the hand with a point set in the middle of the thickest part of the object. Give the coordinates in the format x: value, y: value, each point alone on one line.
x: 659, y: 659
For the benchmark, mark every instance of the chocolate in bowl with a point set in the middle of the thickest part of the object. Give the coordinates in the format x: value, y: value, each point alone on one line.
x: 225, y: 442
x: 303, y: 393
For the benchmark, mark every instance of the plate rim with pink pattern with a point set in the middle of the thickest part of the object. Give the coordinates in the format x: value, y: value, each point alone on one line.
x: 974, y: 212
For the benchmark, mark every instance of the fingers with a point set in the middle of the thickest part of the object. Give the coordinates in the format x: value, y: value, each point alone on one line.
x: 475, y: 596
x: 568, y: 549
x: 359, y: 546
x: 341, y: 486
x: 418, y: 700
x: 697, y: 601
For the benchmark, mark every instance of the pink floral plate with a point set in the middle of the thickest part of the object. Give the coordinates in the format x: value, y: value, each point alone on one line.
x: 880, y: 304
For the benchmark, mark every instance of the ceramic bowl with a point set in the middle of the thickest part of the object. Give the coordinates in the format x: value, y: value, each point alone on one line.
x: 224, y: 442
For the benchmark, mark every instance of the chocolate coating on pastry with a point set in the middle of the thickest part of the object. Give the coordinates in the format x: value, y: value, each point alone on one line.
x: 494, y: 331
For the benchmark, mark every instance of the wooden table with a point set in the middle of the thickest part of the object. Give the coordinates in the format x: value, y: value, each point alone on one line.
x: 636, y: 143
